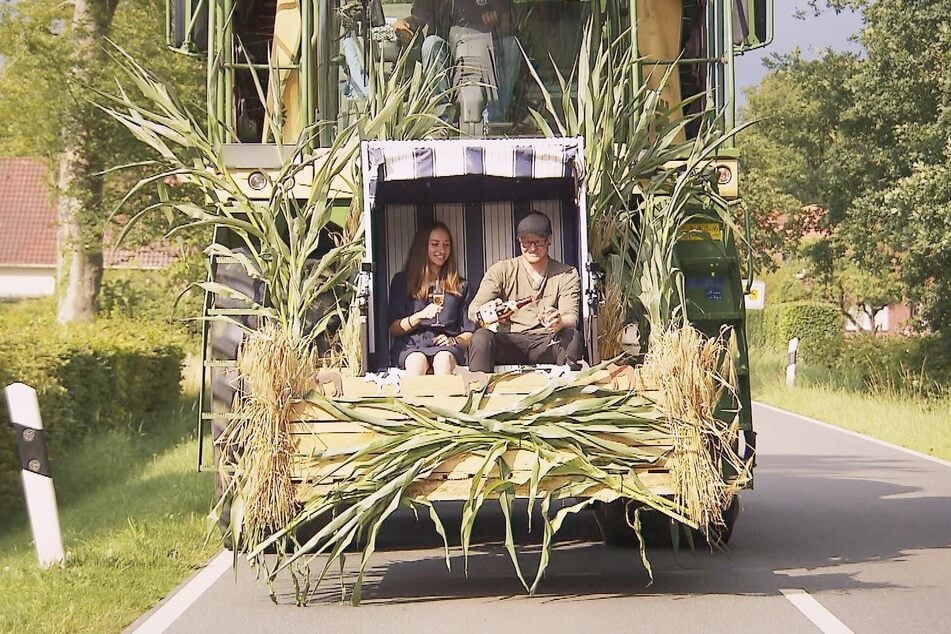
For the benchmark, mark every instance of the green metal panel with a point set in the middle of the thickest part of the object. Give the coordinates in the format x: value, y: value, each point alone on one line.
x: 714, y: 291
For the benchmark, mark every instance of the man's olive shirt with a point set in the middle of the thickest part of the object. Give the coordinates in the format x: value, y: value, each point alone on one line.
x: 509, y: 279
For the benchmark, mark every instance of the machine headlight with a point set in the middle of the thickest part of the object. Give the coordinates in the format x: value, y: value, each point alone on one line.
x: 258, y: 180
x: 724, y: 174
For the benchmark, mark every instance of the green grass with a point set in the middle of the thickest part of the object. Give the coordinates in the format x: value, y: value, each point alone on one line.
x: 132, y: 510
x: 920, y: 424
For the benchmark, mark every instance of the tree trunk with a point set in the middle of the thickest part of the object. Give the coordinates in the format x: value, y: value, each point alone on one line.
x: 80, y: 263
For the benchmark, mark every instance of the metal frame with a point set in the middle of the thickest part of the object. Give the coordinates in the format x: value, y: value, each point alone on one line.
x: 192, y: 9
x: 318, y: 93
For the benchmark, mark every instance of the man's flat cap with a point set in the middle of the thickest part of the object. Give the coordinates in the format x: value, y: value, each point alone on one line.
x: 535, y: 223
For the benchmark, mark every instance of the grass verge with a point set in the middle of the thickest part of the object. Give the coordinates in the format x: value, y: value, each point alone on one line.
x: 132, y: 510
x: 920, y: 424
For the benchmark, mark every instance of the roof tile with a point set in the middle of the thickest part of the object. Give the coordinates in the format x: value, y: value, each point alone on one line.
x: 28, y: 222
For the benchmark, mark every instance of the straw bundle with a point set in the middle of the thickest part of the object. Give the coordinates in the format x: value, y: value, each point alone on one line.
x: 611, y: 321
x: 274, y: 373
x: 696, y: 376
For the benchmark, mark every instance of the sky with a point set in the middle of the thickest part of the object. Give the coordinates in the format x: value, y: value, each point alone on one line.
x: 811, y: 34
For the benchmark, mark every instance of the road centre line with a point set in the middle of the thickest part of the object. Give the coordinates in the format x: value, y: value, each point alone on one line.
x: 815, y: 612
x: 169, y: 612
x: 856, y: 434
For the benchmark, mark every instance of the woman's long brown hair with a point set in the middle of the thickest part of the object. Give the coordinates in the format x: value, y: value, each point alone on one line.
x: 417, y: 264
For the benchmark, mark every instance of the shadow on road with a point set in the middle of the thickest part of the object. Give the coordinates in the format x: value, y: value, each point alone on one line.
x: 810, y: 519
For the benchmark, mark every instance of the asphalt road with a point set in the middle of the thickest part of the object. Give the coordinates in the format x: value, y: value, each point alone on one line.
x: 840, y: 533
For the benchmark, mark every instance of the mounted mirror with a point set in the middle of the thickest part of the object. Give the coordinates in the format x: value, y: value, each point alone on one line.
x: 752, y: 24
x: 186, y: 29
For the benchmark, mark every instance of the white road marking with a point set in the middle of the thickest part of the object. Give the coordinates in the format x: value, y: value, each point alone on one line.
x: 910, y: 452
x: 162, y: 618
x: 813, y: 610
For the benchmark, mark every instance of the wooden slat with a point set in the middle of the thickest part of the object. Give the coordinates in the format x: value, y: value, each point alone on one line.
x: 521, y: 383
x: 462, y: 467
x: 310, y: 444
x: 432, y: 386
x: 314, y: 428
x: 312, y: 437
x: 456, y: 490
x: 309, y: 412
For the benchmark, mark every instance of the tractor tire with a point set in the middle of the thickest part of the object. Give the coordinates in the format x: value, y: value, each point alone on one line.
x: 720, y: 535
x: 615, y: 531
x: 656, y: 527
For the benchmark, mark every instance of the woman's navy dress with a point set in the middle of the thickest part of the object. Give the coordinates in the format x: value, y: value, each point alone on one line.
x: 452, y: 317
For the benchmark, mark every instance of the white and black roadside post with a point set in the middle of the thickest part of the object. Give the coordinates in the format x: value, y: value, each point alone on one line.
x: 791, y: 362
x: 35, y: 469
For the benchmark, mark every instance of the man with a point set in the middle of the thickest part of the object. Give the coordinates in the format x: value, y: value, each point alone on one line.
x: 478, y: 33
x: 545, y: 330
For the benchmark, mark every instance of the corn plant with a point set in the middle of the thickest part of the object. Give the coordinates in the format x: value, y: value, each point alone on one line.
x: 588, y: 439
x: 284, y: 246
x: 643, y: 184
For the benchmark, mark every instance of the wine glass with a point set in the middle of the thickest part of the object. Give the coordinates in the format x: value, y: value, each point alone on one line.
x: 547, y: 321
x: 439, y: 296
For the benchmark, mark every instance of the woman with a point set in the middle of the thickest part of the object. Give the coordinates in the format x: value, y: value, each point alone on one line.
x: 424, y: 333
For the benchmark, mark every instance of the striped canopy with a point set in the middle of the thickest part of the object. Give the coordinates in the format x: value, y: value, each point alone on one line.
x: 506, y: 158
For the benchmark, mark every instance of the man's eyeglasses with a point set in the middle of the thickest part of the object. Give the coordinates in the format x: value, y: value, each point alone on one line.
x: 528, y: 244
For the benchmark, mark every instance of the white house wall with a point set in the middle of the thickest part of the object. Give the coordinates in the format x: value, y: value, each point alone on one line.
x: 18, y: 282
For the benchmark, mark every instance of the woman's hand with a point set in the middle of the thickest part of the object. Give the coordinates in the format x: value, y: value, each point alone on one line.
x: 404, y: 30
x: 429, y: 312
x: 445, y: 340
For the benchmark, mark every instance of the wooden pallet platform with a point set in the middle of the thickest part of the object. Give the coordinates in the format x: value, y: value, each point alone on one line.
x: 316, y: 429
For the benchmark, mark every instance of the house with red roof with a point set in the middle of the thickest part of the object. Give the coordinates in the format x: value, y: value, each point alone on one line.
x: 28, y: 251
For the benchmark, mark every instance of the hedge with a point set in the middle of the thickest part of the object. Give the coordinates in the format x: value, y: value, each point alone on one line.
x: 916, y: 365
x: 111, y: 374
x: 818, y: 326
x: 755, y: 332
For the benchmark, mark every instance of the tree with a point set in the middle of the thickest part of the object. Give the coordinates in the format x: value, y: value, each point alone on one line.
x: 790, y: 157
x: 900, y: 217
x: 56, y: 58
x: 867, y: 140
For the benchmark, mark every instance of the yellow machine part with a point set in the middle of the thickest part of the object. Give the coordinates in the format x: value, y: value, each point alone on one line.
x: 285, y: 50
x: 659, y: 38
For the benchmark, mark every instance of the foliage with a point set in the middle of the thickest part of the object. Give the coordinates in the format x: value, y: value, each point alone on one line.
x: 155, y: 296
x: 643, y: 185
x: 919, y: 205
x: 866, y: 141
x: 789, y: 283
x: 899, y: 220
x: 818, y: 326
x: 790, y: 158
x: 755, y: 329
x: 828, y: 275
x: 916, y: 367
x: 115, y: 375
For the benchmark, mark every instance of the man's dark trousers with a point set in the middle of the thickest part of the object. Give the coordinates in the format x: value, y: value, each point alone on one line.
x: 489, y: 348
